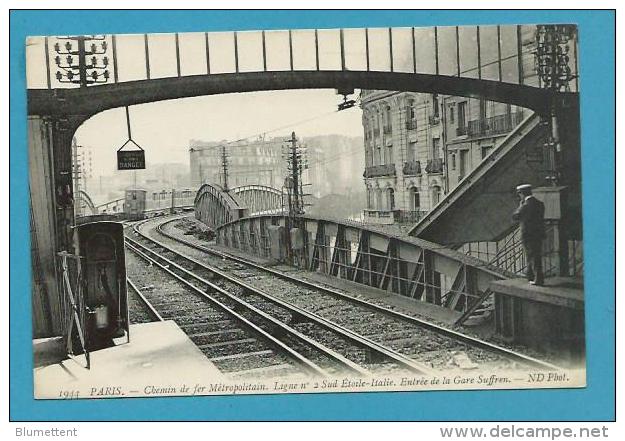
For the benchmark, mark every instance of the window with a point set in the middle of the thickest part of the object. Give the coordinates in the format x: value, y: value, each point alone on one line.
x: 411, y: 152
x: 435, y: 105
x: 483, y: 114
x: 436, y: 148
x: 390, y: 199
x: 452, y: 118
x: 389, y: 157
x: 453, y: 161
x: 416, y: 202
x: 436, y: 195
x: 462, y: 114
x: 412, y: 115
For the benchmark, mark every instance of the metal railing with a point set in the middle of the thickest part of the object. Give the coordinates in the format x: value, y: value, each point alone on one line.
x: 371, y: 255
x: 508, y: 254
x: 434, y: 166
x: 412, y: 168
x: 387, y: 130
x: 375, y: 171
x: 410, y: 216
x: 434, y: 119
x: 495, y: 125
x: 411, y: 124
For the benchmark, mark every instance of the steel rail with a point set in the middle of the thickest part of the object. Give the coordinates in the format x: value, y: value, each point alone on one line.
x: 296, y: 356
x: 333, y: 355
x: 341, y: 331
x: 473, y: 341
x: 145, y: 301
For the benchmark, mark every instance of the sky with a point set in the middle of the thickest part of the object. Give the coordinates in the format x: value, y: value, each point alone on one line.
x: 164, y: 129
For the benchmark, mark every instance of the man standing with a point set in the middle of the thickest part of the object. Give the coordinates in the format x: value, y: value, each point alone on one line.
x: 531, y: 217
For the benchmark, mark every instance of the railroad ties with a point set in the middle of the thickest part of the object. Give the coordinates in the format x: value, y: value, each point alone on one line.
x: 334, y: 331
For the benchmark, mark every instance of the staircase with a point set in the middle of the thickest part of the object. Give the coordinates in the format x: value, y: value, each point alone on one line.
x: 480, y: 207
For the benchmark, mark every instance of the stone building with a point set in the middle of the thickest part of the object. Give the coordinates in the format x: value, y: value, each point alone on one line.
x: 249, y: 162
x: 403, y: 155
x: 420, y: 146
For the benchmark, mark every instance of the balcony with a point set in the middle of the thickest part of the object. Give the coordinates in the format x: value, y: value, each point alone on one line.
x: 411, y: 124
x: 385, y: 217
x: 412, y: 168
x: 387, y: 130
x: 495, y: 125
x: 376, y: 171
x: 461, y: 131
x: 410, y: 216
x: 434, y: 120
x: 434, y: 166
x: 376, y: 132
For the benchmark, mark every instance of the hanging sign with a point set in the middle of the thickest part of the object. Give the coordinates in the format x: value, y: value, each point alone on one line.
x: 130, y: 159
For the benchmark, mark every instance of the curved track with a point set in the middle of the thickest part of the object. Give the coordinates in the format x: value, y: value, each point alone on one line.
x: 428, y: 344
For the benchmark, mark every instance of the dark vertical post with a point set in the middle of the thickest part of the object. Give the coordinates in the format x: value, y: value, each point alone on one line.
x: 390, y: 46
x: 82, y: 62
x: 414, y: 52
x: 264, y: 51
x: 479, y: 54
x: 177, y: 53
x: 236, y: 52
x: 576, y: 64
x: 47, y: 49
x: 519, y: 43
x: 115, y: 74
x: 342, y: 38
x: 367, y: 46
x: 458, y: 49
x: 290, y: 50
x: 317, y: 48
x: 147, y: 55
x: 436, y: 47
x: 208, y: 58
x: 128, y: 123
x: 499, y: 50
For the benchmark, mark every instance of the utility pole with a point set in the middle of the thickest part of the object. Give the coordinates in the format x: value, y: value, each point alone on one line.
x: 294, y: 185
x: 552, y: 63
x: 293, y: 181
x: 76, y: 175
x: 224, y: 167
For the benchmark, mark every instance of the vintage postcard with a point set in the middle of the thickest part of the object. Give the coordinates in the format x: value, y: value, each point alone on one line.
x: 306, y: 211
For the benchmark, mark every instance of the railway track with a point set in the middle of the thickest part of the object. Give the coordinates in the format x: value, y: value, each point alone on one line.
x: 416, y: 338
x: 324, y: 348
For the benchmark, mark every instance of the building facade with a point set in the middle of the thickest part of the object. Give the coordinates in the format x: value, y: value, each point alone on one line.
x: 420, y: 146
x: 257, y: 162
x: 404, y: 175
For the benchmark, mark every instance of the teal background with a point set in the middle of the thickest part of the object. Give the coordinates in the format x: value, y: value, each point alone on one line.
x: 597, y: 85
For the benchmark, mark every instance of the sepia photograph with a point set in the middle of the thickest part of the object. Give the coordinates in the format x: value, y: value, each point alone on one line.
x: 300, y: 211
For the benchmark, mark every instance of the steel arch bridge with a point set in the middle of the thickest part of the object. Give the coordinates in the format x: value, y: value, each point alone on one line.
x: 83, y: 200
x: 215, y: 206
x: 260, y: 199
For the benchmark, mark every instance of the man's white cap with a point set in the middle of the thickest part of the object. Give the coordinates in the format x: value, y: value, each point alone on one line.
x: 523, y: 187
